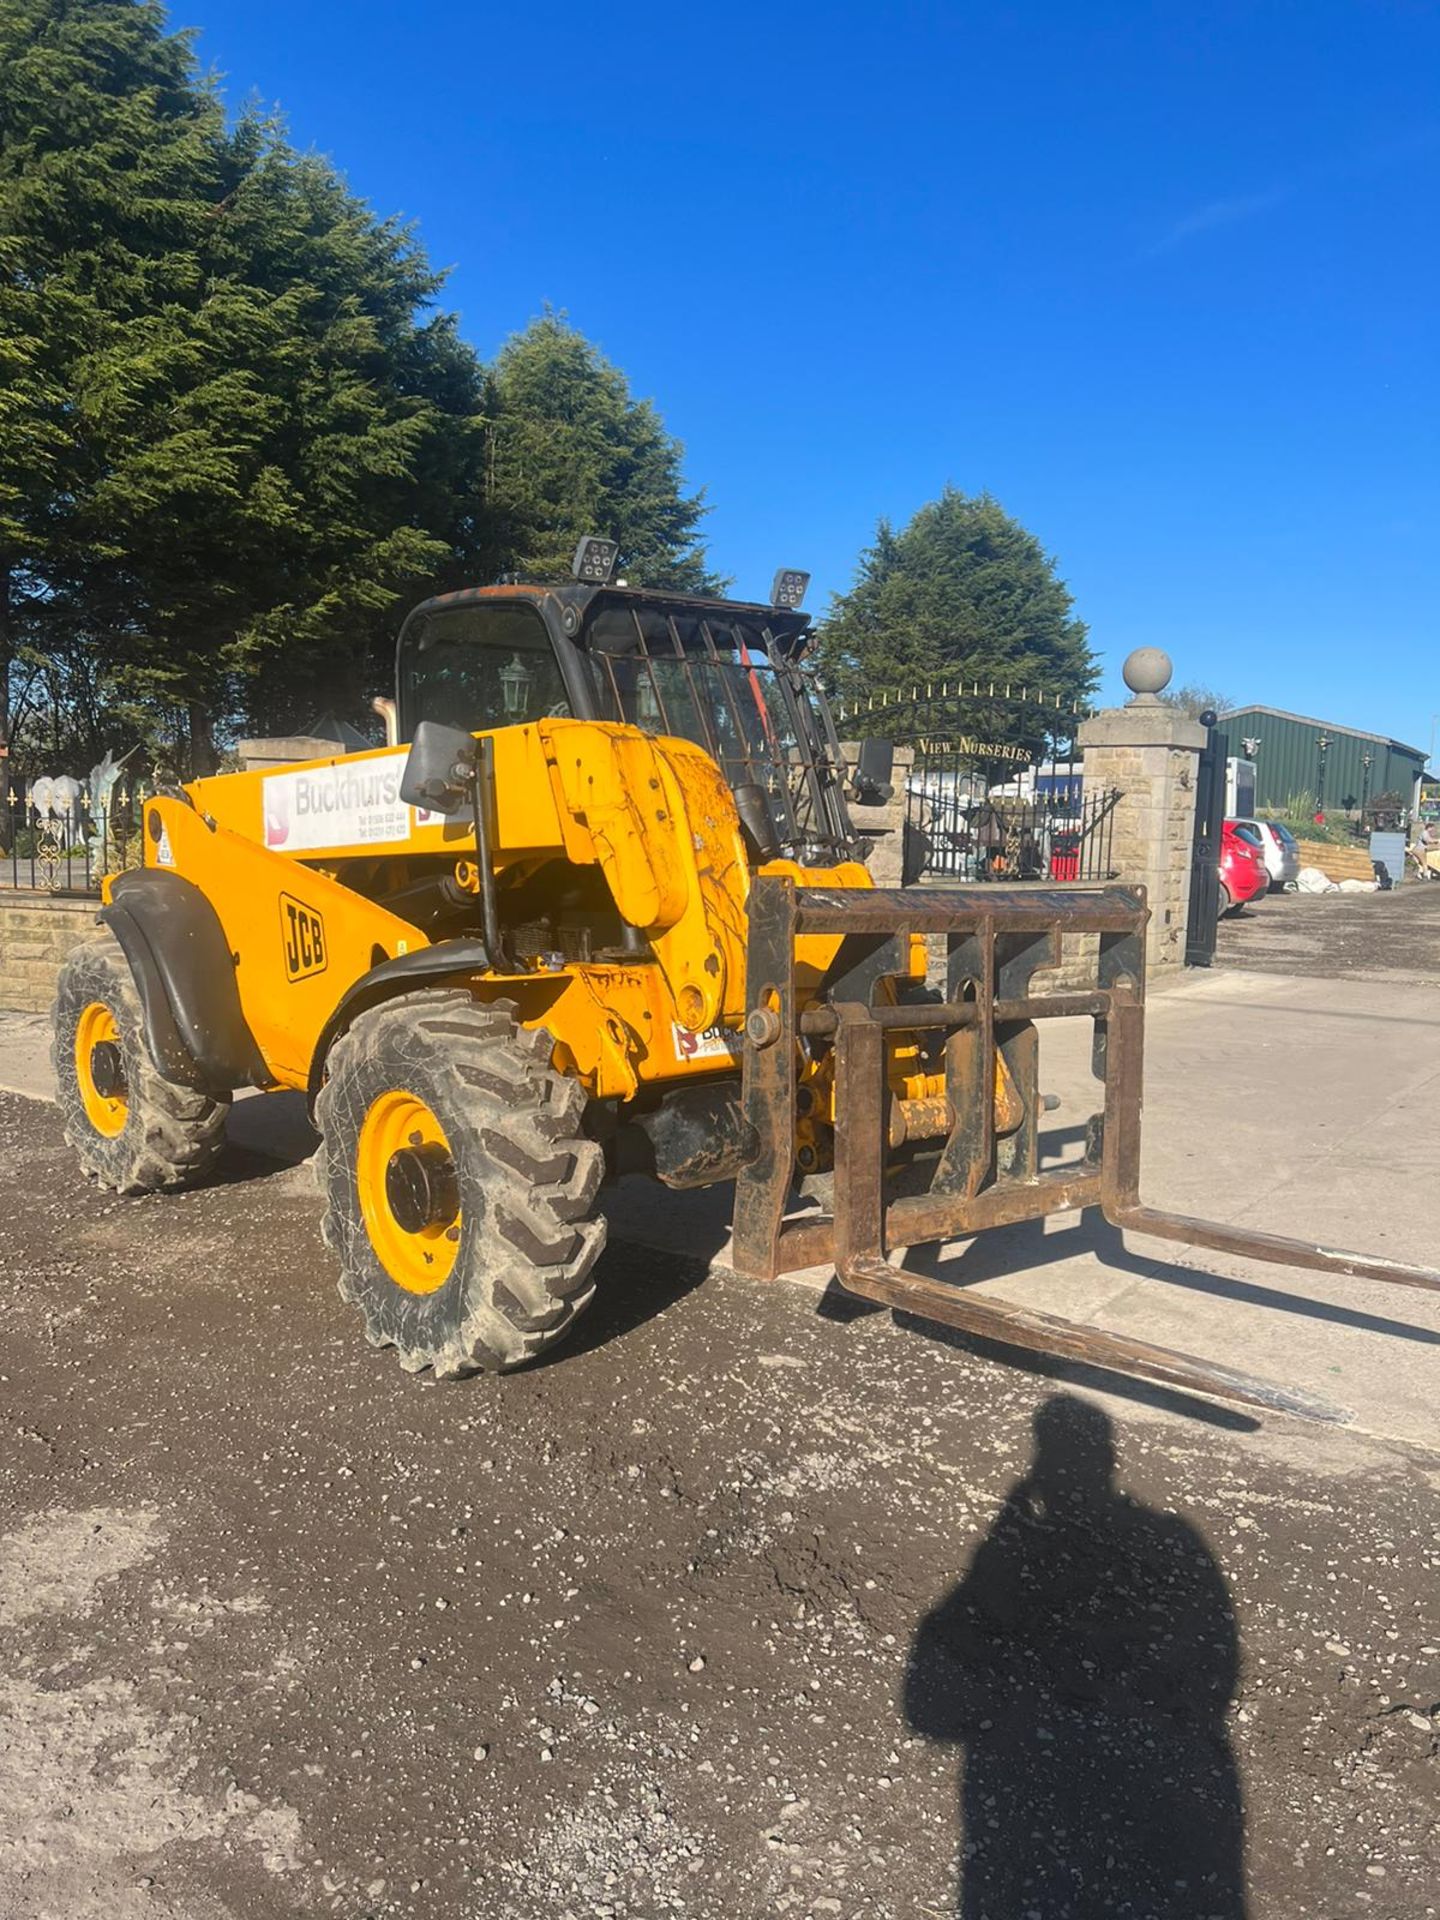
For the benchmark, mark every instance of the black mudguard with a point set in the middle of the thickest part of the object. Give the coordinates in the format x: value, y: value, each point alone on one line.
x: 426, y: 966
x: 195, y: 1028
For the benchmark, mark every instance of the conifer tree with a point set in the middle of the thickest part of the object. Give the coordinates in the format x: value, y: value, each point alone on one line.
x: 961, y: 591
x: 108, y: 156
x: 573, y: 453
x: 235, y: 434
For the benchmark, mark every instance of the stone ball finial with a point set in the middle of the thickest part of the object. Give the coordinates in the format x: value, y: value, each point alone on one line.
x: 1147, y: 671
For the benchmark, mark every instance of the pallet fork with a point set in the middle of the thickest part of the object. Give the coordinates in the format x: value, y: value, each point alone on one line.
x: 998, y: 940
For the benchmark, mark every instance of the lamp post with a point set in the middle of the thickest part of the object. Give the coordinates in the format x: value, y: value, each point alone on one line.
x: 1322, y: 747
x: 1367, y: 761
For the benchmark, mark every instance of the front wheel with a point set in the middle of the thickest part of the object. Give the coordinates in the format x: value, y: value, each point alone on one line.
x: 133, y: 1129
x: 460, y: 1185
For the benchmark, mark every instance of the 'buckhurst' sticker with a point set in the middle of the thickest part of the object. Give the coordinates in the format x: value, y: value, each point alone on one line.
x: 715, y: 1043
x: 353, y: 803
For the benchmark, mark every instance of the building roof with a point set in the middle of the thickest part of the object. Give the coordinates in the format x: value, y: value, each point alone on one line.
x: 1331, y: 726
x: 328, y: 727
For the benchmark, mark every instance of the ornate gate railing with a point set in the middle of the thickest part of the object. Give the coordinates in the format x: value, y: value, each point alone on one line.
x: 61, y: 835
x: 963, y: 826
x: 978, y: 807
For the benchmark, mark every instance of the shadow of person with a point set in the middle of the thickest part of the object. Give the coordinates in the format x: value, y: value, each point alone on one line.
x: 1084, y: 1664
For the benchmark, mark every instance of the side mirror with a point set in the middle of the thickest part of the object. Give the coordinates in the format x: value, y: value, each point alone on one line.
x: 872, y: 782
x: 439, y: 768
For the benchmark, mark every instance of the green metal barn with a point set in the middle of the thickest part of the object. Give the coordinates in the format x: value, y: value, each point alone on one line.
x: 1337, y: 767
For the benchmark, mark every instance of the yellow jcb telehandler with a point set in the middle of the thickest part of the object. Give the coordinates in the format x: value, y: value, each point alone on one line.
x: 600, y: 911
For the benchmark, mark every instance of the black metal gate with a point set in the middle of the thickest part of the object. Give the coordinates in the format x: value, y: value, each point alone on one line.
x: 1204, y: 914
x: 960, y: 826
x: 63, y: 842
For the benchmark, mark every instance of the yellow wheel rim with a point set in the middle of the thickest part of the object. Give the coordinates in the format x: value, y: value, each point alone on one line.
x: 100, y: 1070
x: 406, y: 1180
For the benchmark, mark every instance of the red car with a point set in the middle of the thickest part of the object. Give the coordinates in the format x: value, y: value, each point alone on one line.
x: 1242, y: 869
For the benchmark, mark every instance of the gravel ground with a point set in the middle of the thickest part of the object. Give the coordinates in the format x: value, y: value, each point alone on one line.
x: 705, y: 1617
x: 1363, y: 936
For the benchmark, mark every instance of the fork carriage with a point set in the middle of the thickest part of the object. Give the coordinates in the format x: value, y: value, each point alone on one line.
x: 985, y: 1164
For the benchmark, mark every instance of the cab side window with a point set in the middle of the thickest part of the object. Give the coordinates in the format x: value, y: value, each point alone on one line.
x: 482, y: 666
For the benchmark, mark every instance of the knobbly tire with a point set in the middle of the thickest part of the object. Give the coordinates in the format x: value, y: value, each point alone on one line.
x: 133, y: 1130
x: 460, y: 1185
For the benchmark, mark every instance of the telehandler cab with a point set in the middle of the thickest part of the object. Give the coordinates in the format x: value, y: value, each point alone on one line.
x: 602, y: 912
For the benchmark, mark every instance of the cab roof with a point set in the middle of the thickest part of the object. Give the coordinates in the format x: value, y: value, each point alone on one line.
x: 789, y: 627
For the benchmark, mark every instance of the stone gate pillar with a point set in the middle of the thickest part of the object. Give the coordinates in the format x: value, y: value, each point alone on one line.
x: 1151, y: 754
x: 882, y: 828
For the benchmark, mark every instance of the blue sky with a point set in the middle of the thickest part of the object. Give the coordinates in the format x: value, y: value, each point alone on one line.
x: 1163, y: 279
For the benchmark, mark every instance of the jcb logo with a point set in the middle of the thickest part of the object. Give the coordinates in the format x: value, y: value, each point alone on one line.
x: 302, y: 935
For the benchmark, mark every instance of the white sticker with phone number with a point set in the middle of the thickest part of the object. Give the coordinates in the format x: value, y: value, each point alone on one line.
x: 344, y: 803
x: 715, y: 1043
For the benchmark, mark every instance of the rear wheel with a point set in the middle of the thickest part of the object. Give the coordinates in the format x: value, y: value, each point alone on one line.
x: 133, y: 1130
x: 460, y: 1185
x: 1227, y: 900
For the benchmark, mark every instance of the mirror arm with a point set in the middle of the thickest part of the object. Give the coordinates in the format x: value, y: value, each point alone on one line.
x: 482, y: 787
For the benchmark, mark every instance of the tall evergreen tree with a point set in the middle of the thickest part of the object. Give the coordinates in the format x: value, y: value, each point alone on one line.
x: 234, y: 433
x: 317, y: 436
x: 571, y: 453
x: 962, y: 591
x: 107, y: 163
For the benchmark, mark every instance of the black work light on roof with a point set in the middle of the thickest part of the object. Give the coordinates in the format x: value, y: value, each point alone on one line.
x: 787, y: 589
x: 594, y: 560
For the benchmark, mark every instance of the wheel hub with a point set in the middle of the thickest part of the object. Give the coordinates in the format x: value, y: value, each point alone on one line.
x: 99, y: 1060
x: 107, y: 1070
x: 409, y: 1190
x: 420, y: 1187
